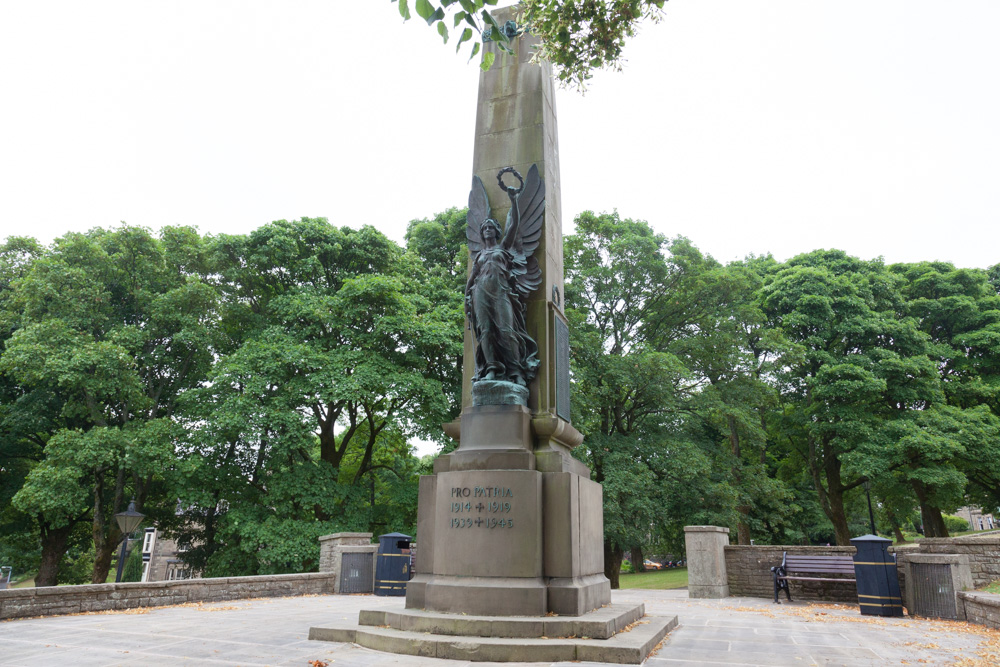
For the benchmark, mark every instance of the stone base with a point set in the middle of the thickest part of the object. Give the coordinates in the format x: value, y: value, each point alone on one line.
x: 575, y: 596
x: 499, y: 596
x: 509, y: 543
x: 483, y: 596
x: 617, y: 633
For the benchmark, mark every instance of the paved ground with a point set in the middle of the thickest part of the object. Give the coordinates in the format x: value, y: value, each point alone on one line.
x: 729, y: 632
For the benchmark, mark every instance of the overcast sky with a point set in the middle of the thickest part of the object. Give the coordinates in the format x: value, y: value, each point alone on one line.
x: 749, y: 127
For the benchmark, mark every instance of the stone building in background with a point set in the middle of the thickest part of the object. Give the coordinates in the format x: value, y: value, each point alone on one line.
x: 978, y: 520
x: 161, y: 559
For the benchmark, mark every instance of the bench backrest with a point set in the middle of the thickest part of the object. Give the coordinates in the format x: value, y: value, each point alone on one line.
x: 825, y: 564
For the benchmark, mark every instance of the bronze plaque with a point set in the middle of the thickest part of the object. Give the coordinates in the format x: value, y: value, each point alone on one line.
x: 562, y: 369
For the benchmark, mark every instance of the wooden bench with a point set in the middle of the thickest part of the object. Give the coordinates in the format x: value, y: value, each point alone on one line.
x: 811, y: 565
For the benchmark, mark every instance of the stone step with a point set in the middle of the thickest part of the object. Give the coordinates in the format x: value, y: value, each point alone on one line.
x: 599, y: 624
x: 629, y: 647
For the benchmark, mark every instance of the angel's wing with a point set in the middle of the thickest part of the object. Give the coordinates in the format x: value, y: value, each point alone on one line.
x: 531, y: 204
x: 479, y: 211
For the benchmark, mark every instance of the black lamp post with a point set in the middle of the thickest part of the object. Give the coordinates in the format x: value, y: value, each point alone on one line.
x: 128, y: 521
x: 871, y: 515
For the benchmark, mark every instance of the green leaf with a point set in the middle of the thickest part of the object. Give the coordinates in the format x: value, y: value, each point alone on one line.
x: 488, y: 59
x: 424, y: 9
x: 443, y: 31
x: 468, y: 6
x: 459, y: 17
x: 470, y: 19
x: 404, y: 9
x: 436, y: 16
x: 464, y: 37
x: 498, y: 33
x: 475, y: 50
x: 505, y: 48
x: 445, y: 3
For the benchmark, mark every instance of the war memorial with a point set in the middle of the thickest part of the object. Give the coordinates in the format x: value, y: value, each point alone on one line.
x: 510, y: 525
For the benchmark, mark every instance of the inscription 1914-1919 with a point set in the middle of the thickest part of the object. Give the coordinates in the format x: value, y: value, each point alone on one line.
x: 478, y: 504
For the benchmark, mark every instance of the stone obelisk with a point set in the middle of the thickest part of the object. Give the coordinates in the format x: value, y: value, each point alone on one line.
x: 510, y: 524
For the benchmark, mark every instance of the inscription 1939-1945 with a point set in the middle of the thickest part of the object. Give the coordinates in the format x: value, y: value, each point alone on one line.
x: 478, y: 511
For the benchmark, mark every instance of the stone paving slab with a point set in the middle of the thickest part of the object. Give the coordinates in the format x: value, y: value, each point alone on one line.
x: 273, y: 631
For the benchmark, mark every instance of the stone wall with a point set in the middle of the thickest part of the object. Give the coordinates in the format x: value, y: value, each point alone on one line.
x: 983, y: 553
x: 56, y: 600
x: 749, y: 567
x: 749, y: 573
x: 981, y: 608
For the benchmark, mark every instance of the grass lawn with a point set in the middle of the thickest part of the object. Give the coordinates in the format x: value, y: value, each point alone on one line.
x: 675, y: 577
x: 992, y: 588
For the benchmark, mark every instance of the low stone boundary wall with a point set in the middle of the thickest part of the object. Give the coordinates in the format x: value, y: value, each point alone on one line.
x: 749, y: 572
x: 56, y: 600
x: 983, y: 553
x: 981, y: 608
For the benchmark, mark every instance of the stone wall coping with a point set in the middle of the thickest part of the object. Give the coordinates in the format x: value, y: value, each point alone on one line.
x: 335, y: 536
x: 88, y: 589
x: 706, y: 529
x: 937, y: 559
x: 791, y: 548
x: 979, y: 597
x: 964, y: 539
x: 358, y: 548
x: 57, y: 600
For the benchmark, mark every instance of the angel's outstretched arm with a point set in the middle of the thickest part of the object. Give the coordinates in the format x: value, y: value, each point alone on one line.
x: 510, y: 234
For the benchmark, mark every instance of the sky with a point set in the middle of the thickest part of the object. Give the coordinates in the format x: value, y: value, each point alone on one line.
x: 749, y: 127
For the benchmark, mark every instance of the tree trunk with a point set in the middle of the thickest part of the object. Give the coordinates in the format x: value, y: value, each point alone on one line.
x: 612, y: 563
x: 638, y: 560
x: 102, y: 561
x: 831, y: 496
x: 839, y: 518
x: 894, y: 524
x: 933, y: 521
x: 930, y: 515
x: 54, y: 542
x: 742, y: 527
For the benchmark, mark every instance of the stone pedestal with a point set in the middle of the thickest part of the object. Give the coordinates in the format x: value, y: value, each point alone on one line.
x: 706, y: 558
x: 500, y: 537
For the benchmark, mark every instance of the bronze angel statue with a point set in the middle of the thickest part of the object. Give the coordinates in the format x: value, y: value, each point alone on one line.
x: 504, y: 273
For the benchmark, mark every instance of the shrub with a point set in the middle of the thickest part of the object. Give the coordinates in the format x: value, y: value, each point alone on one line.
x: 955, y: 524
x: 133, y: 565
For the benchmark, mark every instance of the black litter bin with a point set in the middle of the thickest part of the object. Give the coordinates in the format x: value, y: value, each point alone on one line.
x: 392, y: 567
x: 878, y: 582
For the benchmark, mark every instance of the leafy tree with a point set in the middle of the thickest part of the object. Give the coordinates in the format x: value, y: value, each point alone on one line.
x: 628, y: 302
x: 441, y: 246
x: 577, y: 37
x: 959, y: 309
x: 337, y: 359
x: 440, y: 243
x: 109, y: 333
x: 733, y: 352
x: 855, y: 376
